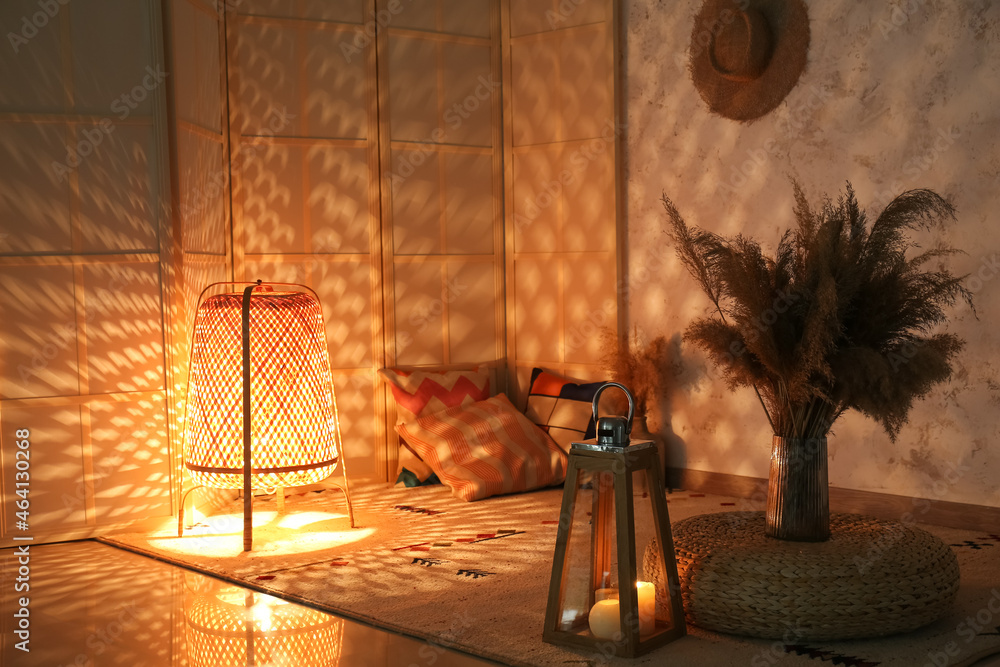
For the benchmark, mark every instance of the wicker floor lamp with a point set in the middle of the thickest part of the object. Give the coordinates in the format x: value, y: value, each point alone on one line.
x: 261, y: 408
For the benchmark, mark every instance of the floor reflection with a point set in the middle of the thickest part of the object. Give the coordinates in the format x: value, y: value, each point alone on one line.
x: 230, y: 625
x: 92, y: 605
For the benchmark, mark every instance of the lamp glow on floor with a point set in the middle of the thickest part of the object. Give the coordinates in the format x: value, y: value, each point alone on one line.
x: 261, y: 410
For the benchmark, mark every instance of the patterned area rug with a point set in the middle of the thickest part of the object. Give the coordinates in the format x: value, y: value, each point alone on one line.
x: 474, y: 577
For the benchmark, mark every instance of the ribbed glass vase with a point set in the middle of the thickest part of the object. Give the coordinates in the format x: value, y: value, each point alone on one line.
x: 798, y: 490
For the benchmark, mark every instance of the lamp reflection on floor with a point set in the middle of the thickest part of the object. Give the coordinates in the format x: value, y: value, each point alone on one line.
x: 226, y: 626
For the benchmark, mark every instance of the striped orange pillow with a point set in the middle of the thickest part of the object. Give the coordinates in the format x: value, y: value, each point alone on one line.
x: 486, y: 449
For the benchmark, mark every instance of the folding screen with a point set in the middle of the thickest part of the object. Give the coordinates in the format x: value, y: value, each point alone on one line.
x: 560, y: 146
x: 305, y: 184
x: 439, y: 81
x: 82, y: 264
x: 199, y: 197
x: 442, y: 191
x: 380, y: 189
x: 447, y: 186
x: 374, y: 159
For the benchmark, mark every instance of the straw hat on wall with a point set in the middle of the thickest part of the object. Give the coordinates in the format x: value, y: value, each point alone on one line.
x: 747, y: 55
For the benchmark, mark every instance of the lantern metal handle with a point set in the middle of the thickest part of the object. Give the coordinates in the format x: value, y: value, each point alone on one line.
x: 628, y: 394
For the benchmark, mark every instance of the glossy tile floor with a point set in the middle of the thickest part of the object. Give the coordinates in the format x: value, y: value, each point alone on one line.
x: 90, y: 604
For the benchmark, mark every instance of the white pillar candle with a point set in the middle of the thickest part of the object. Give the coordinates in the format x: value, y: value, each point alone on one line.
x: 606, y: 594
x: 647, y: 607
x: 605, y: 619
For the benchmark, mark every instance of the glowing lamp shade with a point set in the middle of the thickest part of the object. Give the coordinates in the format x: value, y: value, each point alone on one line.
x: 261, y: 410
x: 294, y: 429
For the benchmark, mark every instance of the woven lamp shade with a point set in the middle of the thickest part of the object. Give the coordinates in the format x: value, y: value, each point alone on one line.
x: 295, y: 431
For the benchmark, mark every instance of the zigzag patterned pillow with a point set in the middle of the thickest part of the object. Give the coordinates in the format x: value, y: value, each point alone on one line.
x: 424, y: 392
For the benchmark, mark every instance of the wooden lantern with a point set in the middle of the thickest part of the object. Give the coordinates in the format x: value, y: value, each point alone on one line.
x: 614, y: 586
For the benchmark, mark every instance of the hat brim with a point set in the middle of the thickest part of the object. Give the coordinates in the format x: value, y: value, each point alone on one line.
x: 749, y: 100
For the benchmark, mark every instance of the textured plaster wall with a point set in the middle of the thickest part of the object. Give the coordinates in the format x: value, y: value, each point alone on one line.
x: 895, y: 95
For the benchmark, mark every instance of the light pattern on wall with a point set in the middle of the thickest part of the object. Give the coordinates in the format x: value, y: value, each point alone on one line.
x: 82, y: 341
x: 562, y: 208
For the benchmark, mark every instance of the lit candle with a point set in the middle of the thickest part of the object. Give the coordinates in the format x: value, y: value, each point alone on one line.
x: 606, y: 594
x: 605, y: 619
x: 647, y: 607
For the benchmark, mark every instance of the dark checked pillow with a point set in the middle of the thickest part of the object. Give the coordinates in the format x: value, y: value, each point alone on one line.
x: 562, y: 407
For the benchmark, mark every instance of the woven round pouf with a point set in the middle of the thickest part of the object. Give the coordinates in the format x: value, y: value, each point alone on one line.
x: 871, y: 578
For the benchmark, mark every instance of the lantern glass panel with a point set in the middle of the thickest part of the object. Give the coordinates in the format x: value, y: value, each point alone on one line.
x: 654, y: 601
x: 590, y: 569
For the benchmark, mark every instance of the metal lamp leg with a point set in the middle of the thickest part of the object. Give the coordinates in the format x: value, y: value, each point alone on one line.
x: 180, y: 515
x: 247, y: 490
x: 346, y: 488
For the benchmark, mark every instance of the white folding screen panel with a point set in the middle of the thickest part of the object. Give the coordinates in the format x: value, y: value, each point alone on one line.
x: 82, y: 342
x: 561, y: 153
x: 305, y: 185
x: 441, y: 195
x: 201, y: 233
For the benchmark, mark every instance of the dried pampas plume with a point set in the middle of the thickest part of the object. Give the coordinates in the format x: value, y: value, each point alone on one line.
x: 649, y: 370
x: 841, y: 317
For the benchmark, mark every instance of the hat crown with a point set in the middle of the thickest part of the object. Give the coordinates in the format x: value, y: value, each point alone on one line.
x: 740, y: 48
x: 747, y: 55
